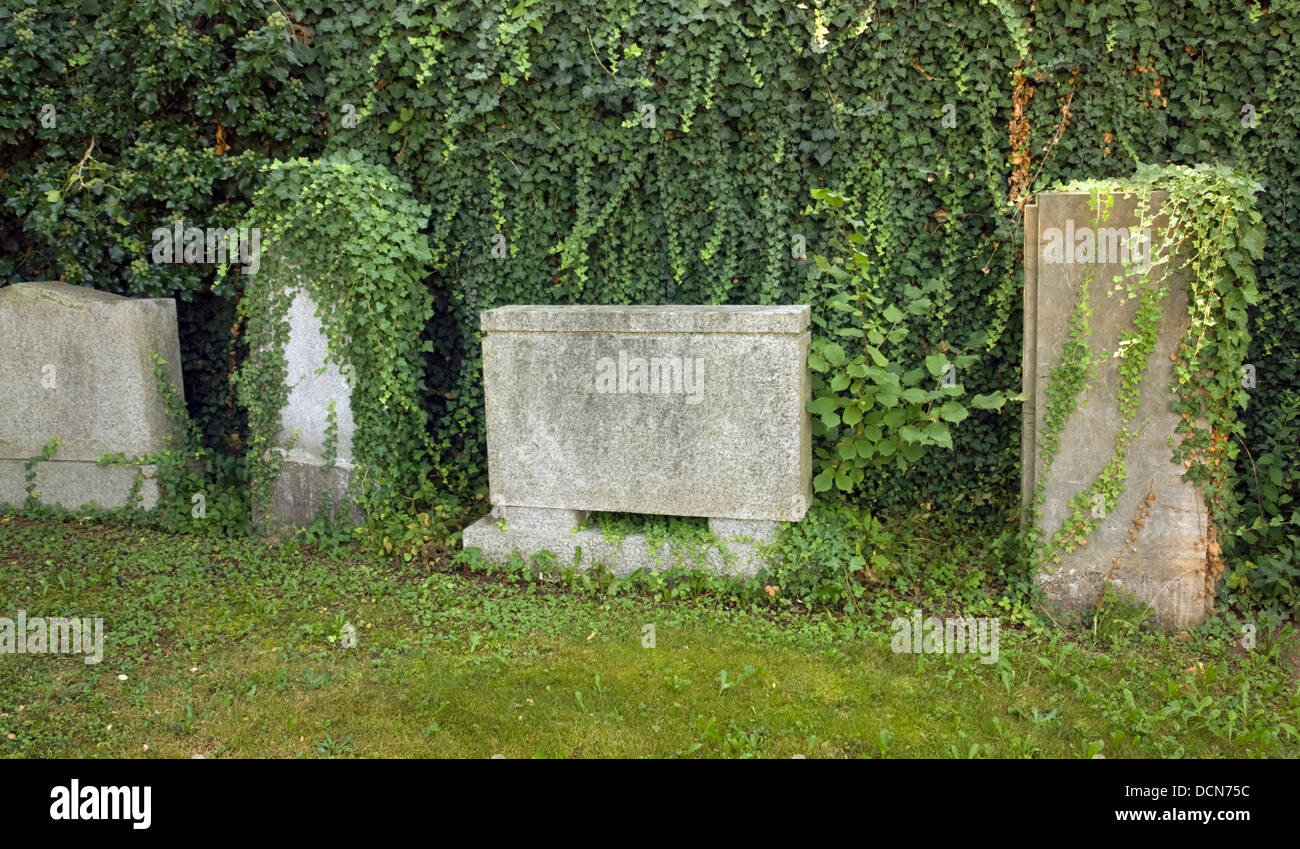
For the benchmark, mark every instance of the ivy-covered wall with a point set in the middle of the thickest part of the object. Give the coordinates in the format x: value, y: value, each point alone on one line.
x: 611, y: 152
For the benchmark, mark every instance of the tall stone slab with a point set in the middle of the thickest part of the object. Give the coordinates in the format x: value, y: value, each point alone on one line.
x: 312, y: 481
x: 76, y: 365
x: 1153, y: 543
x: 668, y: 410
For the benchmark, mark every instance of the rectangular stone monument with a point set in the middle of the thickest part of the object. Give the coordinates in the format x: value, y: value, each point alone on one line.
x: 668, y: 410
x: 1153, y: 542
x: 76, y: 365
x: 311, y: 481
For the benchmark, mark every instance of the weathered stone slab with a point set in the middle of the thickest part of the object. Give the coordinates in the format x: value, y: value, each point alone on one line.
x: 1165, y: 565
x: 675, y: 410
x: 311, y: 481
x: 670, y: 410
x: 76, y: 365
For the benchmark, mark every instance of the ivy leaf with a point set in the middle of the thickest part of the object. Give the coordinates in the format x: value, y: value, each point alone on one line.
x: 1252, y: 240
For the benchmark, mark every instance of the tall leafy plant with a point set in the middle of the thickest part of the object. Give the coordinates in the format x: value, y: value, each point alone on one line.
x: 873, y: 405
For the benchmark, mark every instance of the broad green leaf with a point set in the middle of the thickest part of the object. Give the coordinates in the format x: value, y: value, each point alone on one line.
x: 953, y: 412
x: 823, y: 404
x: 938, y: 433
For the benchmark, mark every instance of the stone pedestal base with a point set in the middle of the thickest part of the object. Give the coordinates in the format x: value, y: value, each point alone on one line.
x: 307, y: 486
x: 529, y: 530
x: 73, y: 484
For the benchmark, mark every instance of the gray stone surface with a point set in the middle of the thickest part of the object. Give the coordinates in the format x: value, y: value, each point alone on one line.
x: 542, y: 518
x: 306, y: 487
x: 308, y: 482
x: 310, y: 393
x: 723, y: 431
x: 668, y: 319
x: 1166, y: 566
x: 729, y: 530
x: 76, y: 365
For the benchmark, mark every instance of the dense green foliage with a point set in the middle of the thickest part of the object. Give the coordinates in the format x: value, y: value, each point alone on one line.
x: 663, y: 153
x: 871, y: 409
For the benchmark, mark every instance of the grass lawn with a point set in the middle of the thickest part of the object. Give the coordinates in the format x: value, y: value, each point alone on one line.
x: 231, y: 648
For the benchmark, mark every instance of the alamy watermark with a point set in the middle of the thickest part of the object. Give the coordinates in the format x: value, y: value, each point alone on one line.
x: 946, y: 636
x: 93, y: 802
x: 39, y: 635
x: 651, y: 376
x: 194, y: 245
x: 1085, y: 245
